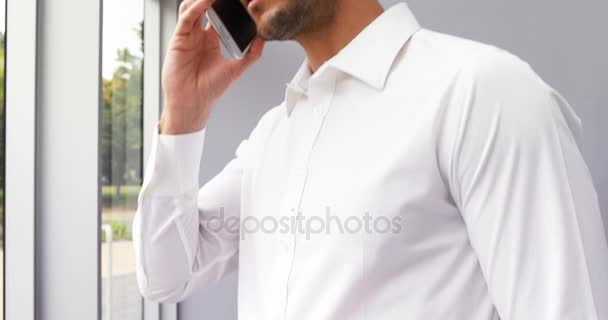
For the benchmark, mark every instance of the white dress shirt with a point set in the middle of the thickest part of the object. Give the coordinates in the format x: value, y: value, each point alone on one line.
x: 464, y: 162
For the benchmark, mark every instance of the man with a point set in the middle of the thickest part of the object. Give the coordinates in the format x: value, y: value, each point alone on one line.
x: 407, y: 174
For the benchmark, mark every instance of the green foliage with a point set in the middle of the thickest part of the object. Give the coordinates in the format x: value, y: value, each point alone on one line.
x: 125, y: 198
x: 122, y: 120
x: 2, y: 141
x: 119, y: 231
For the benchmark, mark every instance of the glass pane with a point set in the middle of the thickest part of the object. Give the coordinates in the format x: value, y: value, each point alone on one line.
x: 121, y: 155
x: 2, y: 87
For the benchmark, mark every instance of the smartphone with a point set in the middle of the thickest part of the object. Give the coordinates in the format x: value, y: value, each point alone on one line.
x: 233, y: 24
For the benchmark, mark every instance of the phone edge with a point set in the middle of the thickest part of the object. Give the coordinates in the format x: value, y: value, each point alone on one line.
x: 222, y: 32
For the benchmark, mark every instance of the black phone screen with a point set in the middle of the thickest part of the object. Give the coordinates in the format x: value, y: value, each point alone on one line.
x: 236, y: 20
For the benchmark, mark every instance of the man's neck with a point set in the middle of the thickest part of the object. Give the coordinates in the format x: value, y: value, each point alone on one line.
x: 351, y: 18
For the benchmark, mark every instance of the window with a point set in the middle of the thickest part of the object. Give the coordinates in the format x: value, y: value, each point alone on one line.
x: 2, y: 135
x: 121, y: 154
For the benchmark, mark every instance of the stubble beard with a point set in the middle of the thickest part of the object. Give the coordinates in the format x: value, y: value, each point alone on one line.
x: 298, y: 17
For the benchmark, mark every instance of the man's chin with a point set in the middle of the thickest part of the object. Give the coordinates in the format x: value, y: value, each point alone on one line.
x: 265, y: 30
x: 272, y: 25
x: 264, y: 33
x: 268, y: 33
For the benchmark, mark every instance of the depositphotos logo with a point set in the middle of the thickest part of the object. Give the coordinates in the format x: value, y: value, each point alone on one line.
x: 302, y: 224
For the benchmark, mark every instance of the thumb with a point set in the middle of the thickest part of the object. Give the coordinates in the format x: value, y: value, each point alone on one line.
x: 253, y: 55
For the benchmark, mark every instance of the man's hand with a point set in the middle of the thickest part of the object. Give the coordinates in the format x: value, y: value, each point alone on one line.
x: 195, y: 74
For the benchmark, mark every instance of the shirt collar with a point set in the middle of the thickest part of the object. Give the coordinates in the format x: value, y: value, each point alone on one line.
x: 299, y: 83
x: 368, y: 57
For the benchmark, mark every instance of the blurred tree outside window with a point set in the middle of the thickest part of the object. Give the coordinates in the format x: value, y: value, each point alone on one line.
x: 121, y: 157
x: 2, y: 159
x: 122, y: 129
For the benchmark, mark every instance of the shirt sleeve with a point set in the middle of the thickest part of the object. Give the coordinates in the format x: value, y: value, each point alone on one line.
x: 527, y: 197
x: 183, y: 235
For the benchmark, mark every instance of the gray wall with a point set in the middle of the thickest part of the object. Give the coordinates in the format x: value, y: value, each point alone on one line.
x: 564, y: 41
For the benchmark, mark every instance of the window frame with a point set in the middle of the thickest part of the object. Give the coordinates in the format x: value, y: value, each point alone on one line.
x: 20, y: 153
x: 160, y: 18
x: 38, y: 281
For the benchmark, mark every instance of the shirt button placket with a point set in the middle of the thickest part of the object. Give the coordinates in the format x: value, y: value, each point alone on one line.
x: 299, y: 174
x: 297, y: 180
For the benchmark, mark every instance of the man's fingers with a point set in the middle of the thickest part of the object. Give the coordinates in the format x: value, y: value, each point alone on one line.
x: 191, y: 14
x: 253, y: 55
x: 213, y: 36
x: 207, y: 26
x: 183, y: 6
x: 257, y: 47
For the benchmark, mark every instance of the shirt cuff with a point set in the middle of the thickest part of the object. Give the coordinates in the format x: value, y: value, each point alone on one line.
x: 174, y: 162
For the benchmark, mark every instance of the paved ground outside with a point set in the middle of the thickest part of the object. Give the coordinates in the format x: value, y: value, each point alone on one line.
x: 126, y: 300
x: 123, y: 258
x: 120, y: 214
x: 127, y: 303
